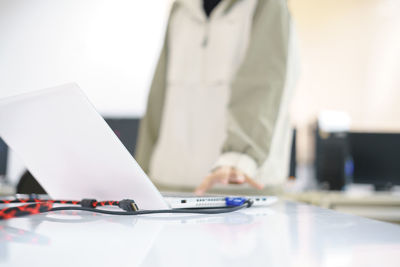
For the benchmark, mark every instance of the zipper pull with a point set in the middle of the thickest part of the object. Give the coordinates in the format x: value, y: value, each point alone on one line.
x: 205, y: 41
x: 206, y: 35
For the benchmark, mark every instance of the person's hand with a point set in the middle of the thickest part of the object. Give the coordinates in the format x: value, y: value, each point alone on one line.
x: 225, y: 175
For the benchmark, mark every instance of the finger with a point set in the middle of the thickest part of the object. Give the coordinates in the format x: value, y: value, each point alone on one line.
x: 254, y: 184
x: 237, y: 177
x: 220, y: 175
x: 206, y: 184
x: 237, y: 180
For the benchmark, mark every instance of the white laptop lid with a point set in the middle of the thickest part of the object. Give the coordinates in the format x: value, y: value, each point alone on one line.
x: 70, y: 150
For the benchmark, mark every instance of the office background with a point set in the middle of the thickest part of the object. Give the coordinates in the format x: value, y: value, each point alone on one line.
x: 349, y: 52
x: 348, y: 49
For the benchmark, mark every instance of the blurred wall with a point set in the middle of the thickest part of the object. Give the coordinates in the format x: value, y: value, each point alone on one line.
x: 350, y: 57
x: 349, y: 53
x: 109, y: 47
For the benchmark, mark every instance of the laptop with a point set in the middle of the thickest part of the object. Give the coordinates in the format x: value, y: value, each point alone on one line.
x: 74, y: 154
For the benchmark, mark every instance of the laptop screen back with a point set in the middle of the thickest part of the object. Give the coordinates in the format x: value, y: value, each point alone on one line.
x: 70, y: 149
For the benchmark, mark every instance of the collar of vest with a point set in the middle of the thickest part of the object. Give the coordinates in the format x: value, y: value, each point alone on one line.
x: 195, y: 7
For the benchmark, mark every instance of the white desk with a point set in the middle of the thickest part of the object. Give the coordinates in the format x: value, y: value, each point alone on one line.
x: 285, y: 234
x: 383, y: 206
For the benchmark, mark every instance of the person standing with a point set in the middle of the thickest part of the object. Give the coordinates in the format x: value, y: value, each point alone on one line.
x: 217, y: 109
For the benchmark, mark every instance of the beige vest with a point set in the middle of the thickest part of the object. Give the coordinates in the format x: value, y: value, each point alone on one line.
x: 204, y: 55
x: 220, y: 94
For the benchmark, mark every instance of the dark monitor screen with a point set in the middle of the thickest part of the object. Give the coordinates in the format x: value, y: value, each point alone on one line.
x: 127, y: 130
x: 3, y: 157
x: 376, y: 158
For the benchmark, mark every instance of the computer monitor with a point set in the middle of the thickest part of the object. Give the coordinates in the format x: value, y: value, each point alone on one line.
x: 3, y: 157
x: 127, y: 131
x: 376, y: 158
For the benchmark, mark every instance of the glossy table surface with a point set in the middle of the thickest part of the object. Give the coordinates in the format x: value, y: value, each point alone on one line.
x: 284, y: 234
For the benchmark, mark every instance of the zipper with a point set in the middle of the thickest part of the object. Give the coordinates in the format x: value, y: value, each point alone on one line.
x: 206, y: 34
x: 204, y: 49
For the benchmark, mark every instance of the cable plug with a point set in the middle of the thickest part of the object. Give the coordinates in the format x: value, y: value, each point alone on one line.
x: 128, y: 205
x: 88, y: 203
x: 235, y: 201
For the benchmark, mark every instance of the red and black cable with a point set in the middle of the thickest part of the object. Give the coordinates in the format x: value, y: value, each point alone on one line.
x: 128, y: 205
x: 35, y: 206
